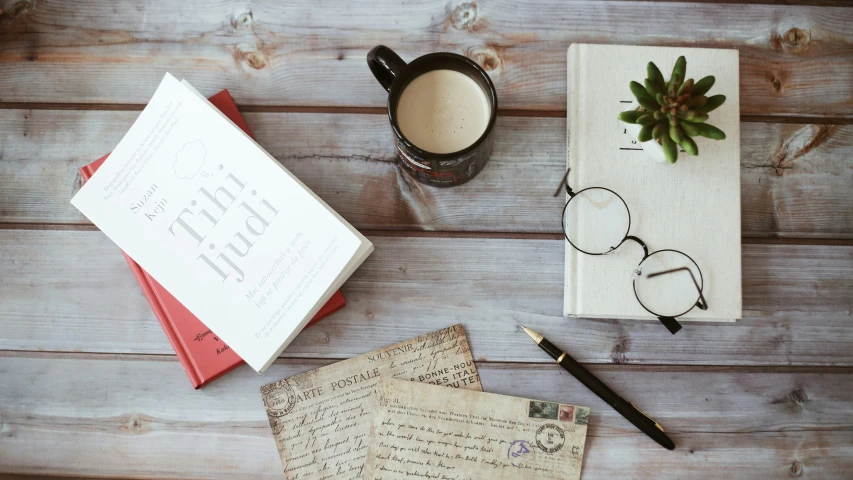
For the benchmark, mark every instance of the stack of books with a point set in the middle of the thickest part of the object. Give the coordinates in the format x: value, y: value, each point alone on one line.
x: 235, y: 255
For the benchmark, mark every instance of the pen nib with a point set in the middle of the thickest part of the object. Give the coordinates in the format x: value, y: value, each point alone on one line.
x: 535, y: 336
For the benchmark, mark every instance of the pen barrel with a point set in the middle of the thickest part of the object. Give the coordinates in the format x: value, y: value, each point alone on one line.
x: 644, y: 423
x: 627, y: 410
x: 578, y: 371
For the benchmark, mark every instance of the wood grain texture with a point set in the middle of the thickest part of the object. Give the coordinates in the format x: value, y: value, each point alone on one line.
x: 794, y: 61
x: 72, y: 291
x: 796, y: 180
x: 106, y: 417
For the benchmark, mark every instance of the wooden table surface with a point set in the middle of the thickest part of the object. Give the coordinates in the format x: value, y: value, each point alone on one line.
x: 89, y: 386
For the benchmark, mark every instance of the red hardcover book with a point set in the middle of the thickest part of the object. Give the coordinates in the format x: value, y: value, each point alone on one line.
x: 203, y: 355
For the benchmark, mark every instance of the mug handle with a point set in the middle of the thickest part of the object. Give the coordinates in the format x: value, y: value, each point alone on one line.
x: 385, y: 65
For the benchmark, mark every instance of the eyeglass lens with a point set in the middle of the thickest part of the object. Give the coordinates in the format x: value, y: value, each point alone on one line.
x: 596, y: 220
x: 663, y: 283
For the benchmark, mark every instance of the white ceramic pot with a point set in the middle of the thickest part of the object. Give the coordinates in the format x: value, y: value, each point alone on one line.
x: 651, y: 148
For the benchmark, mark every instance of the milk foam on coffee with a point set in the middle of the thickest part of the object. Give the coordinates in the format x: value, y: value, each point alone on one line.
x: 443, y: 111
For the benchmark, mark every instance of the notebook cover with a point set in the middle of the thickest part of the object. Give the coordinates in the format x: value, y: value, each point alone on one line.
x: 692, y: 205
x: 203, y: 355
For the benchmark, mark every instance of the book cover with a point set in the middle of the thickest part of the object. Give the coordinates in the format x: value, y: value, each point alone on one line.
x: 220, y: 224
x: 202, y: 354
x: 692, y: 205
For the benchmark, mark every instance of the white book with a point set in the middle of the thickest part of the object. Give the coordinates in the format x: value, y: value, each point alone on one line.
x: 216, y: 220
x: 692, y: 206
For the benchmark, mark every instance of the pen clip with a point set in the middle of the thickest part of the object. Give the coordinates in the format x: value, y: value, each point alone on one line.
x: 650, y: 418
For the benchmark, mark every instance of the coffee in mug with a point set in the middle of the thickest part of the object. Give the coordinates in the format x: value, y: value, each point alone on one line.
x: 442, y: 108
x: 443, y: 111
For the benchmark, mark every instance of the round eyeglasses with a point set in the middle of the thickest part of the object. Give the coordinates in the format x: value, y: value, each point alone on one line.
x: 667, y: 283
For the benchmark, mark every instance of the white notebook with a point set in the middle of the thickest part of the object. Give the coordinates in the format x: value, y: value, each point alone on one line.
x: 233, y: 235
x: 692, y: 206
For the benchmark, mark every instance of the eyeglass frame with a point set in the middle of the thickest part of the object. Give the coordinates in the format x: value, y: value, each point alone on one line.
x: 668, y: 321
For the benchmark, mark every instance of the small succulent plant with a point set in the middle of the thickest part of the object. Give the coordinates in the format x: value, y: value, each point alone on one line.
x: 673, y: 111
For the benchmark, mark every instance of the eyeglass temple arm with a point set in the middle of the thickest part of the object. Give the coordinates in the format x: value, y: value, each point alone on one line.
x: 565, y: 183
x: 671, y: 323
x: 702, y: 304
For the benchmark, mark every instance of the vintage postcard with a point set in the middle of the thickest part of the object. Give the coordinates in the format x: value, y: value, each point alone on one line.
x: 420, y: 431
x: 321, y: 419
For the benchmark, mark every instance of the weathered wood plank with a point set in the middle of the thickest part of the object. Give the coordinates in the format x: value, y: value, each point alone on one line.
x: 794, y: 61
x: 797, y: 180
x: 106, y: 417
x: 72, y: 291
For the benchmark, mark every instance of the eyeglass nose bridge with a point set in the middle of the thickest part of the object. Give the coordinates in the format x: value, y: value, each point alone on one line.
x: 642, y: 244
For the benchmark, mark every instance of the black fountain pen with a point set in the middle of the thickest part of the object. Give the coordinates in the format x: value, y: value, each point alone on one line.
x: 625, y: 408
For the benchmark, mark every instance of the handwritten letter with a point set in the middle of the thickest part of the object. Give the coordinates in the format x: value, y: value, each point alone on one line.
x: 321, y: 419
x: 421, y: 431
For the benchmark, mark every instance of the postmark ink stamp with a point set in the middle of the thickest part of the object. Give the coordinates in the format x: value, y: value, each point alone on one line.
x: 550, y: 438
x: 279, y: 398
x: 518, y: 449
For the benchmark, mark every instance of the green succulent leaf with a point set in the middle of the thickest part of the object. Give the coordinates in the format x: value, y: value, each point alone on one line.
x: 709, y: 131
x: 672, y: 86
x: 645, y: 133
x: 643, y: 97
x: 696, y: 102
x: 654, y: 75
x: 638, y: 90
x: 647, y: 119
x: 670, y: 151
x: 702, y: 86
x: 689, y: 146
x: 659, y: 115
x: 631, y: 116
x: 712, y: 103
x: 693, y: 116
x: 659, y: 130
x: 647, y: 103
x: 686, y: 87
x: 653, y: 88
x: 689, y: 129
x: 680, y: 68
x: 676, y: 134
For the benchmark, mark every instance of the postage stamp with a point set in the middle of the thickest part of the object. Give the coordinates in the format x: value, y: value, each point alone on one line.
x: 517, y: 452
x: 546, y: 410
x: 550, y: 438
x: 567, y: 413
x: 279, y: 398
x: 582, y: 416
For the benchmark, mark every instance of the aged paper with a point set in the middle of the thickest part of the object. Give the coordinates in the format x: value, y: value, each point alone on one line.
x: 420, y: 431
x: 321, y: 419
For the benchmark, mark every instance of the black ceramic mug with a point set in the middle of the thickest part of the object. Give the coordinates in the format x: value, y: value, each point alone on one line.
x: 436, y: 169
